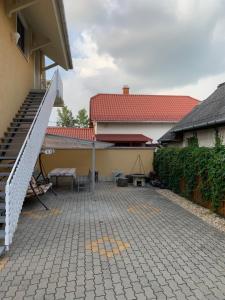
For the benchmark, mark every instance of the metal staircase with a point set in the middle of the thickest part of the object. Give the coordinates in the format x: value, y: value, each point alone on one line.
x: 19, y: 149
x: 10, y: 146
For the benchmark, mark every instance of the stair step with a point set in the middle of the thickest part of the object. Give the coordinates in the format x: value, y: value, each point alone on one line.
x: 2, y: 219
x: 16, y: 132
x: 6, y: 166
x: 33, y: 105
x: 4, y: 174
x: 18, y: 127
x: 2, y: 250
x: 2, y: 205
x: 10, y: 144
x: 10, y: 149
x: 2, y: 234
x: 21, y: 122
x: 30, y: 107
x: 6, y: 151
x: 36, y: 97
x: 23, y: 119
x: 8, y: 157
x: 13, y: 138
x: 25, y: 115
x: 2, y: 194
x: 34, y: 100
x: 27, y: 110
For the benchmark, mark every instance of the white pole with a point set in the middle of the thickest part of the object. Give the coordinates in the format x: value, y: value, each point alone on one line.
x: 93, y: 168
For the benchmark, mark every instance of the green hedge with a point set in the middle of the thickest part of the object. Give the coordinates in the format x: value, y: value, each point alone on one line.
x: 193, y: 165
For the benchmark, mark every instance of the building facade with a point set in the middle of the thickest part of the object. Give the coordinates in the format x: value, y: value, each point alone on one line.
x: 149, y: 115
x: 205, y: 123
x: 30, y: 30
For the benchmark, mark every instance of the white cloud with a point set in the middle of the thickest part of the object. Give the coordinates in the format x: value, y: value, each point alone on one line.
x: 90, y: 63
x: 164, y: 46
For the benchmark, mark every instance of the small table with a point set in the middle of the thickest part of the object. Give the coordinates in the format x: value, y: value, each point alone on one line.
x: 138, y: 179
x: 63, y: 172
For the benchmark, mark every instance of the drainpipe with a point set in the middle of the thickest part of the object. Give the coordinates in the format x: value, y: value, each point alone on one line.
x: 93, y: 168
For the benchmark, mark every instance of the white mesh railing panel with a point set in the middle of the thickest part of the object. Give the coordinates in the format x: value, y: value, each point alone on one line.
x: 20, y: 176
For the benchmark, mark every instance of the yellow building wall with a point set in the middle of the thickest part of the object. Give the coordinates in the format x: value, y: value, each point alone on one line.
x: 107, y: 160
x: 16, y: 72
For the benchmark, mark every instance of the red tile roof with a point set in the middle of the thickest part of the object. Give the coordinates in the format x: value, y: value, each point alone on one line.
x: 123, y: 138
x: 79, y: 133
x: 120, y: 107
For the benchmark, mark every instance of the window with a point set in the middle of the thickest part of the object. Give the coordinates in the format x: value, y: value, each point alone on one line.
x: 22, y: 32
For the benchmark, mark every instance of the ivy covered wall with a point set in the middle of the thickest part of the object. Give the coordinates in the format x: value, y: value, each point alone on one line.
x: 185, y: 170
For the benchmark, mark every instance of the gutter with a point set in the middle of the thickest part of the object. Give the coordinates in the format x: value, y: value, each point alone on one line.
x: 201, y: 125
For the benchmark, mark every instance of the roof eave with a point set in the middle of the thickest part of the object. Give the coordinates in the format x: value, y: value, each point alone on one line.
x: 61, y: 13
x: 201, y: 125
x: 135, y: 121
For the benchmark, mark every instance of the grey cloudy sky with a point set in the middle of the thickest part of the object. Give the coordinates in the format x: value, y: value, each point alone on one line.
x: 161, y: 47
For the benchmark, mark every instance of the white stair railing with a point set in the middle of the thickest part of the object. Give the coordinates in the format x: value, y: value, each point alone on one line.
x: 18, y: 181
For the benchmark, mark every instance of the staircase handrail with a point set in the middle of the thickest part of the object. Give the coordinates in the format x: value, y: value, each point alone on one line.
x: 54, y: 89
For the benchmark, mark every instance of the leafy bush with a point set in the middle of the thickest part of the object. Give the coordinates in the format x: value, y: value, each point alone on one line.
x: 193, y: 165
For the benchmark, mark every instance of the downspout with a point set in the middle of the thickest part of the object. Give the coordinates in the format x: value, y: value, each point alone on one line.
x: 93, y: 168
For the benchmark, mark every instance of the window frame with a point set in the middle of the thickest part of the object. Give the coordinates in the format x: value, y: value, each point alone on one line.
x: 23, y: 22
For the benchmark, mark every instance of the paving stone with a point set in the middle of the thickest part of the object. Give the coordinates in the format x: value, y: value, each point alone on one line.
x: 169, y: 251
x: 90, y: 295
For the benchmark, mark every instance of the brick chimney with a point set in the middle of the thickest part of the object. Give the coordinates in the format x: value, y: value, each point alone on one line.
x: 126, y: 90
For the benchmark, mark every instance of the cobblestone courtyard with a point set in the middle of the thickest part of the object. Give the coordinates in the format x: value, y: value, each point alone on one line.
x: 122, y: 243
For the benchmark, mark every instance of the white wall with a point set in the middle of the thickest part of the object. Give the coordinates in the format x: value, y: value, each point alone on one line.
x: 206, y: 137
x: 152, y: 130
x: 222, y: 134
x: 186, y: 136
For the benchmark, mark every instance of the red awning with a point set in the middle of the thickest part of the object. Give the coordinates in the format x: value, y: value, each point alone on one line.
x: 140, y: 138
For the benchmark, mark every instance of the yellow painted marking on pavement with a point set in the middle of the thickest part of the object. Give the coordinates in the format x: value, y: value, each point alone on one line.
x: 41, y: 214
x: 144, y: 210
x: 3, y: 263
x: 99, y: 246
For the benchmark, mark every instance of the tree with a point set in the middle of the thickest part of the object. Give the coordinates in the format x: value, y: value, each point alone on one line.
x: 82, y: 120
x: 65, y: 117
